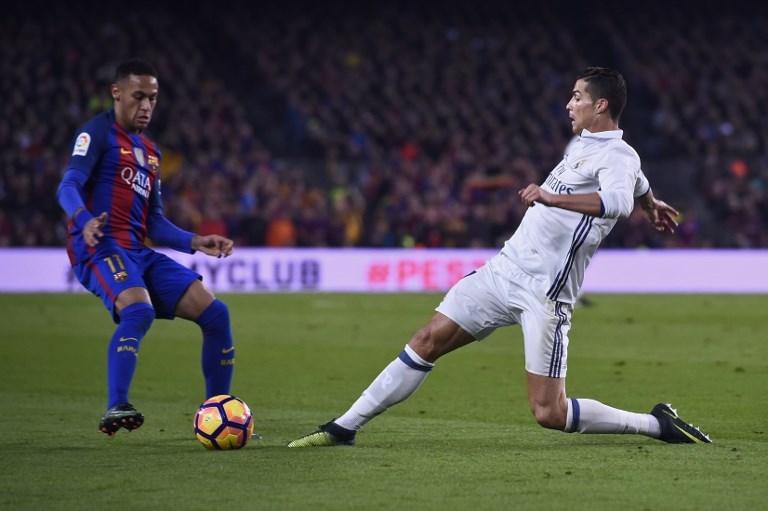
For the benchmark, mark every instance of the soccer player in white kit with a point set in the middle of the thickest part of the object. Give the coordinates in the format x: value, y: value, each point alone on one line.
x: 535, y: 279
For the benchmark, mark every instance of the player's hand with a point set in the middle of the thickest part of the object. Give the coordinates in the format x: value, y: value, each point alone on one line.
x: 213, y: 245
x: 92, y: 230
x: 661, y: 215
x: 533, y: 193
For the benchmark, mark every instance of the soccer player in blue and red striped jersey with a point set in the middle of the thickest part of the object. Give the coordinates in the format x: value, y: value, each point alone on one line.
x: 111, y: 194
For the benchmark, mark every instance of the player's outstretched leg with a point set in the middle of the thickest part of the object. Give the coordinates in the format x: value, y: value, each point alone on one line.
x: 394, y: 384
x: 122, y: 356
x: 675, y: 430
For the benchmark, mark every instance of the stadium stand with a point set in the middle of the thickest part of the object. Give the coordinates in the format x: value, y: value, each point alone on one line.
x: 406, y: 126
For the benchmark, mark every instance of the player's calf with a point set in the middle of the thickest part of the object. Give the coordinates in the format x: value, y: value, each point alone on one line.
x: 218, y: 354
x: 550, y: 415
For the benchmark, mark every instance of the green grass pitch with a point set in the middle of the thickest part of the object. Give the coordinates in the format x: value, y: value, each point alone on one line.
x: 465, y: 440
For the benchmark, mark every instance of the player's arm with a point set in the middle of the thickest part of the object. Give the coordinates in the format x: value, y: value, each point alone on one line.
x: 586, y: 203
x: 69, y: 194
x: 613, y: 200
x: 164, y: 232
x: 659, y: 213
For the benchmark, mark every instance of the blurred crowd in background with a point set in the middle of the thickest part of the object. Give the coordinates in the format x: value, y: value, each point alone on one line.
x: 396, y: 127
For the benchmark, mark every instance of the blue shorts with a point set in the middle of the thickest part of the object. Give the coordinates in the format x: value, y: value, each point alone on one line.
x: 113, y: 269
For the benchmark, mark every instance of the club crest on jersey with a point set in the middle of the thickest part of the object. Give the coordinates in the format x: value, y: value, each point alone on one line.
x: 154, y: 163
x: 138, y: 181
x: 82, y: 144
x: 138, y: 153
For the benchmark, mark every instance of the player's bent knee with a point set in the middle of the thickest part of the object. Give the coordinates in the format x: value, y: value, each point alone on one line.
x: 551, y: 417
x: 131, y: 296
x: 195, y: 301
x: 215, y: 315
x: 140, y: 314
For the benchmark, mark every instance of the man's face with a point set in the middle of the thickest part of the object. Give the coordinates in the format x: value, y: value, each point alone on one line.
x: 581, y: 107
x: 135, y: 98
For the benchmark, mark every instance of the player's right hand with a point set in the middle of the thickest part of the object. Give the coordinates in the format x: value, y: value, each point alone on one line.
x: 92, y: 230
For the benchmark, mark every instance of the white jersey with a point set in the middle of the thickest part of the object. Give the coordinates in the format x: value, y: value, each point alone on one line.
x: 555, y: 245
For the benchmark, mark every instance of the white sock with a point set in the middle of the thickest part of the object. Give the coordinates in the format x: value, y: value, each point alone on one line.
x: 590, y: 416
x: 395, y: 383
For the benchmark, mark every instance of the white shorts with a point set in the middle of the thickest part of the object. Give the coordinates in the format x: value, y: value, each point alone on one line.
x: 500, y: 294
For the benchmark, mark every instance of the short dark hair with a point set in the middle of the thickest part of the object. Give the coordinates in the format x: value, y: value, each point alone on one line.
x: 134, y: 67
x: 607, y: 84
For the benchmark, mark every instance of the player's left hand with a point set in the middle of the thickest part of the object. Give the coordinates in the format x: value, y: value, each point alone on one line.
x: 213, y: 245
x: 661, y: 215
x: 533, y: 193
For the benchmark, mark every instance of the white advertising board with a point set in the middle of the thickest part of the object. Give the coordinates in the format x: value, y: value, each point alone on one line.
x: 263, y: 270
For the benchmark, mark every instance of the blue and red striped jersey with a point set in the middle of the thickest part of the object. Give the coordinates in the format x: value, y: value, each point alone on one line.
x: 123, y: 179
